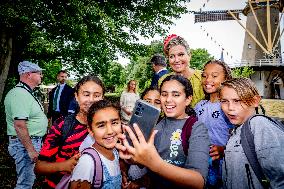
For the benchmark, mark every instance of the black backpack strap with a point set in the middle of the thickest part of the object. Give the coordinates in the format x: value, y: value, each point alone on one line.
x: 261, y: 108
x: 67, y: 127
x: 247, y: 142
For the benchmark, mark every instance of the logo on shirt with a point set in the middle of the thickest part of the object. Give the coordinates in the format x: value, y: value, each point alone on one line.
x: 216, y: 114
x: 175, y: 142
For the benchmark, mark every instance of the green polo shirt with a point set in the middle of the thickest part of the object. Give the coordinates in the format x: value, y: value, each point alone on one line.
x: 21, y: 105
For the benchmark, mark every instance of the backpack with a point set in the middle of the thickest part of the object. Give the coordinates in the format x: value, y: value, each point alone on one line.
x: 98, y: 175
x: 247, y: 141
x: 67, y: 127
x: 186, y: 132
x: 260, y: 110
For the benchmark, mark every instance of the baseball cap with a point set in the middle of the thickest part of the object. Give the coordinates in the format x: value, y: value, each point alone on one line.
x: 27, y: 66
x: 158, y: 60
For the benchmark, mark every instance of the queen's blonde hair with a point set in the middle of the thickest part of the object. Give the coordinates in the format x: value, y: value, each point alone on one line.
x: 174, y: 42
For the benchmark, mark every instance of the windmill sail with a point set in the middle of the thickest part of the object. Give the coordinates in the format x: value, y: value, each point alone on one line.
x: 210, y: 16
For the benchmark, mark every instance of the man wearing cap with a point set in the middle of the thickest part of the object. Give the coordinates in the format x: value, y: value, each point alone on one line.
x: 60, y: 97
x: 159, y: 67
x: 26, y: 123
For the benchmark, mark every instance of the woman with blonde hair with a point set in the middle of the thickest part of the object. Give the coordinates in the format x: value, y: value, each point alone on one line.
x: 177, y: 51
x: 128, y: 99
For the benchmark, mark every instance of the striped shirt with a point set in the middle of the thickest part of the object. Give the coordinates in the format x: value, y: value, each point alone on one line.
x: 52, y: 152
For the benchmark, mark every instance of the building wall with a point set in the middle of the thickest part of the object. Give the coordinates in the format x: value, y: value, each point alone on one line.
x: 251, y: 51
x: 262, y: 80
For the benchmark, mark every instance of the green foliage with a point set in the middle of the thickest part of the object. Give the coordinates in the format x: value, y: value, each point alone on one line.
x: 113, y: 97
x: 84, y: 35
x: 115, y: 77
x: 140, y: 68
x: 245, y: 71
x: 199, y: 57
x: 51, y: 70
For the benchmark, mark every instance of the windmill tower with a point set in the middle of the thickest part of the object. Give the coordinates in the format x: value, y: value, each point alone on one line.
x: 261, y: 49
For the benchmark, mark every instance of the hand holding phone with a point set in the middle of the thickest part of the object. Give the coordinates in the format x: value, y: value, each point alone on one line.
x: 146, y: 116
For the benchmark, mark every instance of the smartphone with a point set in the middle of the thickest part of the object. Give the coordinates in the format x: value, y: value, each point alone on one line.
x: 146, y: 116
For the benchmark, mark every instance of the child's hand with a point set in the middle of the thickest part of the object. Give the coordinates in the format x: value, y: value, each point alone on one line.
x: 70, y: 164
x: 123, y: 153
x: 125, y: 183
x: 143, y: 152
x: 216, y: 152
x: 133, y: 185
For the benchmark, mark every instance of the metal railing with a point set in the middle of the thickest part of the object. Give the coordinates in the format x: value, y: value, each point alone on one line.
x: 260, y: 62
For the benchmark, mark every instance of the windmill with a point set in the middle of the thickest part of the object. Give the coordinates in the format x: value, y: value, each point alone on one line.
x: 261, y: 49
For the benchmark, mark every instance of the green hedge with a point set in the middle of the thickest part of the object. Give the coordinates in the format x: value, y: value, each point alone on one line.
x: 113, y: 97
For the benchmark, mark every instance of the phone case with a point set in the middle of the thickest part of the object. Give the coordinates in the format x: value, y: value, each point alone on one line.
x: 146, y: 116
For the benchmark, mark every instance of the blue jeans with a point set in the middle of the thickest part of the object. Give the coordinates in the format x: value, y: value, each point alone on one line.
x: 24, y: 165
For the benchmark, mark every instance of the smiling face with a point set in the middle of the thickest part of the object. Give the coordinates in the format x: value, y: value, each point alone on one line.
x: 174, y: 100
x: 234, y: 108
x: 178, y: 58
x: 212, y: 77
x: 106, y: 125
x: 88, y: 93
x: 153, y: 97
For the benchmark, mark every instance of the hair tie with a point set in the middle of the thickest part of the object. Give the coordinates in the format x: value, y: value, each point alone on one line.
x: 168, y: 39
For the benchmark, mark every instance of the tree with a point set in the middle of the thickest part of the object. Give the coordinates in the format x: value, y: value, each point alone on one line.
x: 199, y: 57
x: 245, y: 71
x: 140, y: 68
x: 115, y: 77
x: 85, y: 35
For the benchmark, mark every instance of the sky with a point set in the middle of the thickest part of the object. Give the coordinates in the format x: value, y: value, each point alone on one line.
x: 228, y: 34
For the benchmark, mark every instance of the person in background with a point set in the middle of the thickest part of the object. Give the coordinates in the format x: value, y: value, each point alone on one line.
x: 59, y: 156
x: 26, y: 123
x: 159, y: 67
x: 60, y: 97
x: 177, y: 51
x: 210, y: 113
x: 127, y: 100
x: 73, y: 107
x: 239, y: 97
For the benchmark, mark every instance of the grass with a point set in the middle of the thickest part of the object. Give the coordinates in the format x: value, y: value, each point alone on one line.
x: 273, y: 107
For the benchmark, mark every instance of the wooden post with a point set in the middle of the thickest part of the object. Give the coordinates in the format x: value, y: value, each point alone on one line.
x: 278, y: 40
x: 268, y: 27
x: 277, y: 30
x: 257, y: 22
x: 250, y: 34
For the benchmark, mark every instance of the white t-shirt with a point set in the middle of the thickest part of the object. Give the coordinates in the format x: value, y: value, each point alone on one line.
x: 85, y: 169
x: 87, y: 142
